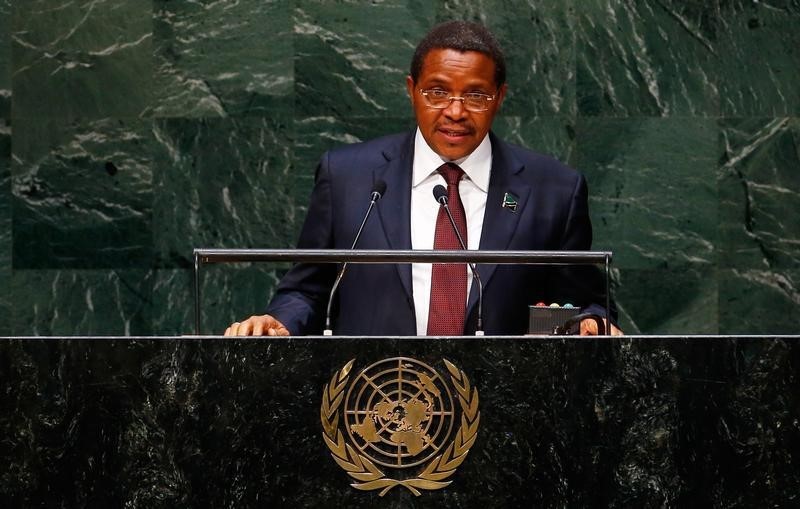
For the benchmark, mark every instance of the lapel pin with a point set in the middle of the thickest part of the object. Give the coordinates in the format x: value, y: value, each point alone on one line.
x: 510, y: 202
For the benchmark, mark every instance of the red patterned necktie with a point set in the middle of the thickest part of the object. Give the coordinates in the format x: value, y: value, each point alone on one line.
x: 449, y: 280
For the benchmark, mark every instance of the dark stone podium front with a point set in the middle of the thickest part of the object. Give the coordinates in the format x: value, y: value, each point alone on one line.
x: 178, y: 422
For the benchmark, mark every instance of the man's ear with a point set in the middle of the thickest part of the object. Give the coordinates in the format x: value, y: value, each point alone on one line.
x: 410, y: 87
x: 501, y: 94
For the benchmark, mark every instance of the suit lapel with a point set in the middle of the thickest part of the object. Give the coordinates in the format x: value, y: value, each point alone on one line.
x: 394, y: 207
x: 500, y: 223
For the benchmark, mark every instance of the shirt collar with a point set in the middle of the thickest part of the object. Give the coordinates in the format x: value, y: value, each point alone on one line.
x: 477, y: 165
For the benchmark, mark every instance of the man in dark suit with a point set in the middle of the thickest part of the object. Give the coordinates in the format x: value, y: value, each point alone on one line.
x: 504, y: 198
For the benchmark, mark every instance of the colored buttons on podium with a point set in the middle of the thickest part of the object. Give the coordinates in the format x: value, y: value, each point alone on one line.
x: 543, y: 318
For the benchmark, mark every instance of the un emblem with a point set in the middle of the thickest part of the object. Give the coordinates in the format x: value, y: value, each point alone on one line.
x: 399, y: 413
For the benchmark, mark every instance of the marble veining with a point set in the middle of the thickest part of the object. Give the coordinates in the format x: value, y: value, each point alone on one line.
x: 644, y: 421
x: 647, y: 58
x: 93, y: 53
x: 73, y: 299
x: 89, y: 195
x: 759, y: 183
x: 5, y: 226
x: 217, y: 59
x: 135, y: 131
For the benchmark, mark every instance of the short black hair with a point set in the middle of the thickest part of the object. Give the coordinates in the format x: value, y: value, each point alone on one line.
x: 460, y: 36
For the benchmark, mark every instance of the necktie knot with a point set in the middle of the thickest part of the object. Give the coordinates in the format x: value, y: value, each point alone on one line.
x: 451, y: 173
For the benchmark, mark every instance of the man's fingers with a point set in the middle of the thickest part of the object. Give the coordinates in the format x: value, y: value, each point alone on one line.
x: 258, y: 328
x: 276, y: 329
x: 588, y: 328
x: 246, y: 328
x: 238, y: 329
x: 231, y: 330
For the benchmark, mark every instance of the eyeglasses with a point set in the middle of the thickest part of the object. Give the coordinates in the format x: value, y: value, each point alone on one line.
x: 472, y: 101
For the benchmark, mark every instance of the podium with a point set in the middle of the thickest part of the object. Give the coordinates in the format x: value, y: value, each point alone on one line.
x: 563, y: 421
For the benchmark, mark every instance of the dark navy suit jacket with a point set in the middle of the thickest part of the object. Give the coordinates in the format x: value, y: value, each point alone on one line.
x: 376, y: 299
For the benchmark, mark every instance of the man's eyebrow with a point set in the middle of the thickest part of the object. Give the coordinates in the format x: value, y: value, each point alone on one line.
x: 478, y: 86
x: 436, y: 81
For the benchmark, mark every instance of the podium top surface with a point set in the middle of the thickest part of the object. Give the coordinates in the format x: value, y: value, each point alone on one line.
x: 203, y: 337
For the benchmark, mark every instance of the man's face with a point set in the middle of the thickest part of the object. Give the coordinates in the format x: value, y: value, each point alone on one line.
x: 454, y: 132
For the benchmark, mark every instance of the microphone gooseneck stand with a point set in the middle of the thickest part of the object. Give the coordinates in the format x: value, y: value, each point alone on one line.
x: 378, y: 190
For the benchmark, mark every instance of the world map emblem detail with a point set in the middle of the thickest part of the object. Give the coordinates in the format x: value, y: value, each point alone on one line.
x: 399, y: 414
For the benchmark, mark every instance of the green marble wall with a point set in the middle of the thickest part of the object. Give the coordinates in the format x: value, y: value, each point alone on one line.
x: 132, y: 131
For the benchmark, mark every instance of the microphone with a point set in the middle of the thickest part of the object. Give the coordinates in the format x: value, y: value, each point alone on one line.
x: 440, y: 193
x: 378, y: 189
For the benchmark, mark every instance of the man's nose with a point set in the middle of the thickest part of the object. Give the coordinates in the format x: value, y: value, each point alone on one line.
x: 455, y: 110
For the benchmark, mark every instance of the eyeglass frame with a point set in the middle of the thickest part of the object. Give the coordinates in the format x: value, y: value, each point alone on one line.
x: 424, y: 92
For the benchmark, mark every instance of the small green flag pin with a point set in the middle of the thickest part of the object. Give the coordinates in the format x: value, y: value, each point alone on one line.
x: 510, y: 202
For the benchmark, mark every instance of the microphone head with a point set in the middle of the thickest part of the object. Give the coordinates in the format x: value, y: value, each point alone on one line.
x: 440, y: 193
x: 378, y: 189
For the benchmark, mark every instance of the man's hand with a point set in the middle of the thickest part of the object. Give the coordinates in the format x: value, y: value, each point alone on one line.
x: 589, y: 328
x: 257, y: 325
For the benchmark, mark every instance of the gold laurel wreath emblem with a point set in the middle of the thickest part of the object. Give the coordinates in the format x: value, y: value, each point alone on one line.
x: 362, y: 469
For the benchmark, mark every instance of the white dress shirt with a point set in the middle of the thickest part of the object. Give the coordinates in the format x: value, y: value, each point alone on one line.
x: 473, y: 189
